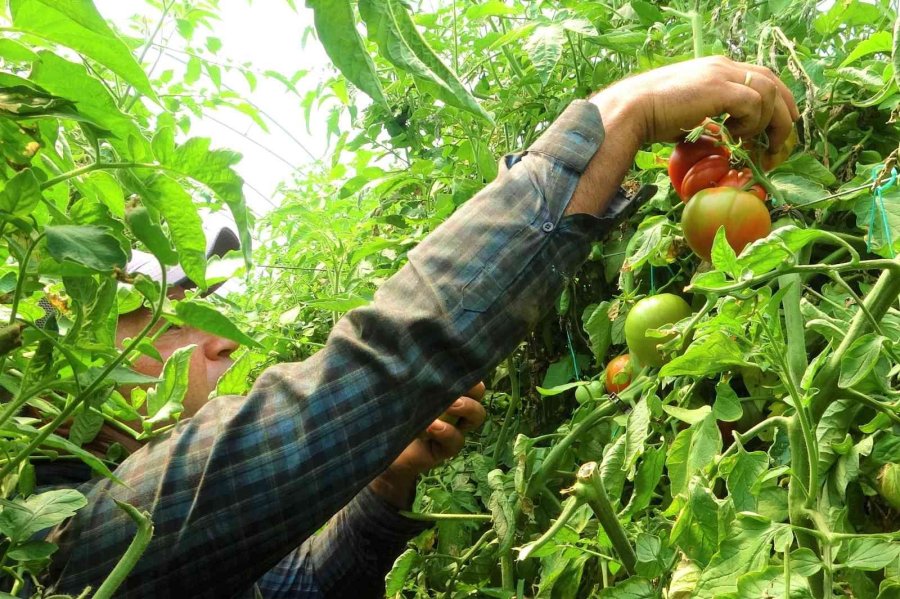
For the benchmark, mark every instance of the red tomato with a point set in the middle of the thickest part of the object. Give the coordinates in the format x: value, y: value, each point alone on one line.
x: 741, y: 180
x: 618, y: 374
x: 744, y: 217
x: 685, y: 155
x: 705, y: 173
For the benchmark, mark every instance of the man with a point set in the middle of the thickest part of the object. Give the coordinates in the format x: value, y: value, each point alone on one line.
x: 361, y: 542
x: 237, y: 487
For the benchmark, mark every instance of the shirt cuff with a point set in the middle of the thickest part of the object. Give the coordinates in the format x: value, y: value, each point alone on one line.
x: 383, y: 520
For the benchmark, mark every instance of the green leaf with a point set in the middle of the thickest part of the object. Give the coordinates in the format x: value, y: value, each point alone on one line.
x: 865, y: 208
x: 175, y: 204
x: 636, y: 434
x: 32, y: 551
x: 860, y: 359
x: 502, y: 512
x: 745, y: 550
x: 652, y: 559
x: 214, y: 169
x: 73, y: 82
x: 742, y: 478
x: 390, y: 25
x: 714, y: 353
x: 727, y: 406
x: 78, y: 25
x: 871, y: 554
x: 723, y: 256
x: 805, y: 562
x: 148, y: 231
x: 631, y: 588
x: 204, y: 316
x: 336, y: 28
x: 21, y: 195
x: 400, y: 571
x: 798, y: 190
x: 21, y: 518
x: 706, y: 443
x: 880, y: 41
x: 691, y: 416
x: 237, y: 379
x: 91, y: 247
x: 165, y: 400
x: 647, y: 477
x: 598, y: 327
x: 770, y: 583
x: 612, y: 471
x: 781, y: 246
x: 696, y: 530
x: 544, y: 48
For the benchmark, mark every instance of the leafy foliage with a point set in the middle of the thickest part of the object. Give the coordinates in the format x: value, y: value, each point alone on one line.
x: 747, y: 466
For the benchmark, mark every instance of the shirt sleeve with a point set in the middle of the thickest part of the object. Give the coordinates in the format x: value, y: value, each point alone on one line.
x: 350, y: 557
x: 240, y: 485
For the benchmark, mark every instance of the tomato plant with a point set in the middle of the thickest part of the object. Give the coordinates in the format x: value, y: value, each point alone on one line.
x: 676, y: 487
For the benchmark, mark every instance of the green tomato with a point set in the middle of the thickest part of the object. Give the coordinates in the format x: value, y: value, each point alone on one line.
x: 596, y: 389
x: 582, y: 395
x: 652, y: 312
x: 889, y: 484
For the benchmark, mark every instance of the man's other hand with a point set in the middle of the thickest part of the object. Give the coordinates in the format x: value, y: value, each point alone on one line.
x: 442, y: 440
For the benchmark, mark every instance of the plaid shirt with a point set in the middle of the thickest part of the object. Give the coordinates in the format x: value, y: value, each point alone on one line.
x: 234, y: 490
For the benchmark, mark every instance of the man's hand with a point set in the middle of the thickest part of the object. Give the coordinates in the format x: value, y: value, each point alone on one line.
x: 440, y: 441
x: 676, y: 98
x: 662, y: 104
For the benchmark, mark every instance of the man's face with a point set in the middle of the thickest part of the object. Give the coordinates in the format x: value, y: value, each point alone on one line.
x: 209, y: 360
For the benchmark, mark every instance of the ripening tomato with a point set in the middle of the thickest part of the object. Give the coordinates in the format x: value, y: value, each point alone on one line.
x: 744, y: 217
x: 741, y: 179
x: 618, y: 373
x: 652, y: 312
x: 705, y: 173
x: 687, y: 154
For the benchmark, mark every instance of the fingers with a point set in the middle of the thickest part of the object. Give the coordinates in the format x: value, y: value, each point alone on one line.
x: 470, y: 412
x: 444, y: 440
x: 476, y: 392
x: 785, y: 110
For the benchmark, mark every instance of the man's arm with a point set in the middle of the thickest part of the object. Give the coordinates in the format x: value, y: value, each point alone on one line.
x: 349, y: 558
x: 238, y: 486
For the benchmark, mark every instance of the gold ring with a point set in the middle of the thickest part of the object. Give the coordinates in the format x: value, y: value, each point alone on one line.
x: 748, y: 78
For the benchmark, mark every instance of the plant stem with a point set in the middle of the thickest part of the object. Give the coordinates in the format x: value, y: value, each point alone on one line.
x: 131, y: 556
x: 445, y: 517
x: 590, y: 489
x: 95, y: 166
x: 877, y: 301
x: 515, y: 400
x: 571, y: 506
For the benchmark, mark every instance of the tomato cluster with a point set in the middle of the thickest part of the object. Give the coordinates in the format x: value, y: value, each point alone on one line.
x: 718, y: 195
x: 706, y: 163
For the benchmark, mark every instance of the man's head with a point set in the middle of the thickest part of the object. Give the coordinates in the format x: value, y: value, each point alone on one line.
x: 212, y: 357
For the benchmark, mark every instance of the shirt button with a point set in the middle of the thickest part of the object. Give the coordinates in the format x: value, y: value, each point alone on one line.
x: 547, y: 227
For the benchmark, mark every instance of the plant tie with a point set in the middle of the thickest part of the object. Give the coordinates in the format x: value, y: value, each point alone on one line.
x: 878, y: 207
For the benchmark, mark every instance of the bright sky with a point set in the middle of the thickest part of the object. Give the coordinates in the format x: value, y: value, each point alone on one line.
x: 268, y: 34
